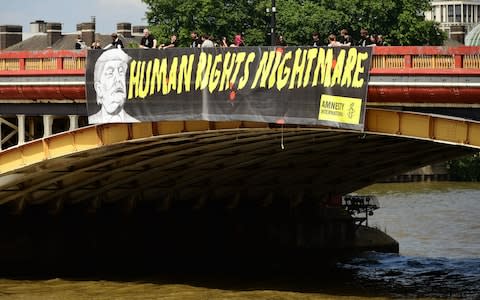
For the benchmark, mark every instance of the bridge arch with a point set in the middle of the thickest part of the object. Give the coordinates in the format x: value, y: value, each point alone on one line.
x: 197, y: 161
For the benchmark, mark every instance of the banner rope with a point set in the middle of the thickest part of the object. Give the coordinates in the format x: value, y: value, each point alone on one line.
x: 281, y: 140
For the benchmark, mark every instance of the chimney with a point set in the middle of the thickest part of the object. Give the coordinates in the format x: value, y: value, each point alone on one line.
x: 38, y: 26
x: 88, y: 33
x: 124, y: 29
x: 138, y: 30
x: 10, y: 35
x: 54, y: 33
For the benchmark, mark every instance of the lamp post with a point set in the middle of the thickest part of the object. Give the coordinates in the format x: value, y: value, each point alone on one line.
x: 272, y: 24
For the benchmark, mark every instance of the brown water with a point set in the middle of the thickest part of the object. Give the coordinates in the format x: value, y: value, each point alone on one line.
x: 438, y: 228
x: 437, y: 225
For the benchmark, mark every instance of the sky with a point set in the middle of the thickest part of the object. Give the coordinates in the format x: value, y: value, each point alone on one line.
x: 72, y: 12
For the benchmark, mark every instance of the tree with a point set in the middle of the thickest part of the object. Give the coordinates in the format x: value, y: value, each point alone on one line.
x: 465, y: 169
x: 411, y: 28
x: 212, y: 17
x: 297, y: 20
x: 400, y: 21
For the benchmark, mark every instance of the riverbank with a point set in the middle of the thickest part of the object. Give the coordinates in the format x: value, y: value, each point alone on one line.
x: 435, y: 172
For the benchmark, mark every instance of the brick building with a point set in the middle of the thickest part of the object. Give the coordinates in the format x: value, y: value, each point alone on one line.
x: 48, y: 35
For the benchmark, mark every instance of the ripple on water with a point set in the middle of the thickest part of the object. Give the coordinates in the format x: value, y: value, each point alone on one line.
x: 419, y: 276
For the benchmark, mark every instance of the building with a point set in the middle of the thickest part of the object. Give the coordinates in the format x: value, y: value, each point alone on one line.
x: 48, y: 35
x: 456, y: 17
x: 473, y: 37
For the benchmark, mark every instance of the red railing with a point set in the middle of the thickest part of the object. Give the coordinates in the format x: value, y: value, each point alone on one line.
x: 48, y: 62
x: 426, y: 61
x: 398, y: 62
x: 386, y: 60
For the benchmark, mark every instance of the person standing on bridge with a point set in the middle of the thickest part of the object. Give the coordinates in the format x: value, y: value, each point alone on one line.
x: 148, y: 41
x: 365, y: 40
x: 110, y: 86
x: 316, y: 40
x: 116, y: 42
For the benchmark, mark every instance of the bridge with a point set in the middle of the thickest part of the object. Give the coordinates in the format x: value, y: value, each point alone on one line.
x: 422, y: 108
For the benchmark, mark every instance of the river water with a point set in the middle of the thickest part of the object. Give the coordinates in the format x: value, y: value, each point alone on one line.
x: 438, y: 228
x: 436, y: 224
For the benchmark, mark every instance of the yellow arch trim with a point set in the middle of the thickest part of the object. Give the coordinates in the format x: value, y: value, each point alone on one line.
x: 437, y: 128
x: 383, y: 122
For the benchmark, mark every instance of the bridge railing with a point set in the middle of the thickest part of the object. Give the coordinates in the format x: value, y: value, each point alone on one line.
x: 426, y: 60
x: 48, y: 62
x: 386, y: 60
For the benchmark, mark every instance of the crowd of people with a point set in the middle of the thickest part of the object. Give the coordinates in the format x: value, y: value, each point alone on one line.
x: 346, y: 40
x: 148, y: 41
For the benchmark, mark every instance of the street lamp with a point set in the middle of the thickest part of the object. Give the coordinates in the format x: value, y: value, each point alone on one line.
x: 272, y: 24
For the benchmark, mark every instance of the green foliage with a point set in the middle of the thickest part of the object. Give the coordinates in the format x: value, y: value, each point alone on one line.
x: 133, y: 45
x: 413, y: 29
x: 212, y: 17
x: 400, y: 21
x: 465, y: 169
x: 297, y: 20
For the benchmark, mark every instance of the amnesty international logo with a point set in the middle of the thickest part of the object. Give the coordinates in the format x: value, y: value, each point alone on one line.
x: 340, y: 109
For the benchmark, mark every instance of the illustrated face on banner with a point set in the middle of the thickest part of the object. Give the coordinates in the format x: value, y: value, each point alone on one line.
x: 111, y: 89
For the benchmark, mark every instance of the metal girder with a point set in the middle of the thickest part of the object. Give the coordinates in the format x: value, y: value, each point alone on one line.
x: 436, y: 128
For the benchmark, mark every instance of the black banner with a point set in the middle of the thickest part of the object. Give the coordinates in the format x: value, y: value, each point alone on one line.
x: 287, y: 85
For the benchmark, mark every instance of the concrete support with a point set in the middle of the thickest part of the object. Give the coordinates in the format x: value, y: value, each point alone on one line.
x: 30, y: 129
x: 21, y: 129
x: 73, y: 122
x: 47, y: 125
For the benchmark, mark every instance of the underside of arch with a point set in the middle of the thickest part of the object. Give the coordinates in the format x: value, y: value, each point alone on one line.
x: 197, y: 161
